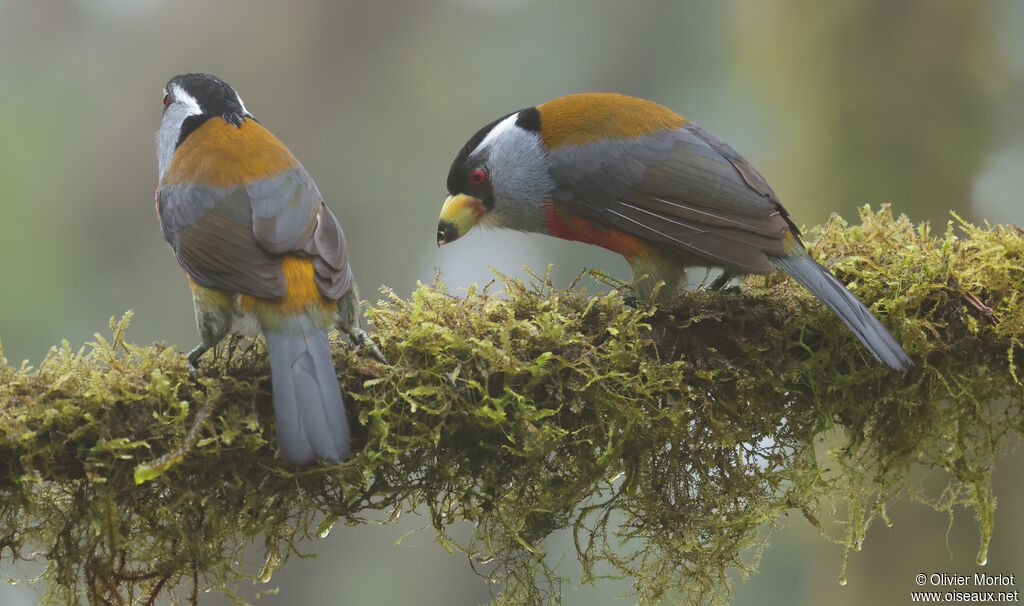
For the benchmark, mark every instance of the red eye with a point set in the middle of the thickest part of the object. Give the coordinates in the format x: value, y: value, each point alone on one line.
x: 167, y: 99
x: 478, y: 176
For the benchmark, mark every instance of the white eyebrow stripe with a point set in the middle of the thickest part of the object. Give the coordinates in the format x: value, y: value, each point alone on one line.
x: 240, y: 102
x: 497, y: 131
x: 183, y: 97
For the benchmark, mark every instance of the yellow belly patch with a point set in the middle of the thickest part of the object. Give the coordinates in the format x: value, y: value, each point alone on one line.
x: 303, y: 297
x: 210, y: 297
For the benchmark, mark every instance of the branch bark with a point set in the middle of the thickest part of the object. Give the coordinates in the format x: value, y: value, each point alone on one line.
x: 683, y: 429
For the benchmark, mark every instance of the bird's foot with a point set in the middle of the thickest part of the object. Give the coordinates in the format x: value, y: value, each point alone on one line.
x: 233, y: 340
x: 193, y: 359
x: 720, y: 283
x: 193, y: 364
x: 359, y: 337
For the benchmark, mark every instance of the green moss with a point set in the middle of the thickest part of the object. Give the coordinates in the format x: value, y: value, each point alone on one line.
x: 668, y: 440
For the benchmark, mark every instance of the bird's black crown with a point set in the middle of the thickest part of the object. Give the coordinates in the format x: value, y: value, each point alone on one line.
x: 215, y: 96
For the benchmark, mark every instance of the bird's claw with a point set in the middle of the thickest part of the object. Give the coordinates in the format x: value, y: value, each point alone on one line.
x: 193, y: 366
x: 193, y: 374
x: 359, y: 337
x: 721, y: 283
x: 233, y: 340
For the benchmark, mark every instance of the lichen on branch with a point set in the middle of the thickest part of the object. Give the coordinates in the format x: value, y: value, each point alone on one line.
x: 667, y: 440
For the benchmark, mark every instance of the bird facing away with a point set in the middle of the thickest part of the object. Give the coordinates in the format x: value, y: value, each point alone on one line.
x: 252, y: 232
x: 637, y: 178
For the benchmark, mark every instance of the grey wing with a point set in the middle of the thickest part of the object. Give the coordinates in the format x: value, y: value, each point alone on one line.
x: 289, y: 215
x: 684, y: 189
x: 210, y: 231
x: 233, y: 238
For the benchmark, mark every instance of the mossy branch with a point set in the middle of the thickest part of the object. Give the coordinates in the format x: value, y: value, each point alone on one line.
x: 666, y: 440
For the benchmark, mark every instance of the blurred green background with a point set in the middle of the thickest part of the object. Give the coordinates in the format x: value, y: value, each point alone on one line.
x: 838, y: 104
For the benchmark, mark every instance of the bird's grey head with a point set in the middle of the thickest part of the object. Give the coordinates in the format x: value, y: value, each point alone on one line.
x: 500, y: 179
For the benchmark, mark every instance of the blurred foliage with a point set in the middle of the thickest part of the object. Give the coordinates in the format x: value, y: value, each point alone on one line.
x: 668, y: 440
x: 896, y: 101
x: 836, y: 104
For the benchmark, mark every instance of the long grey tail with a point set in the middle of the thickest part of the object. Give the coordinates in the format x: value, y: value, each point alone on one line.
x: 310, y: 413
x: 850, y: 310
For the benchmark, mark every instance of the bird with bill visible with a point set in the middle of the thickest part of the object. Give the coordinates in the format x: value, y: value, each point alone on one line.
x: 637, y: 178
